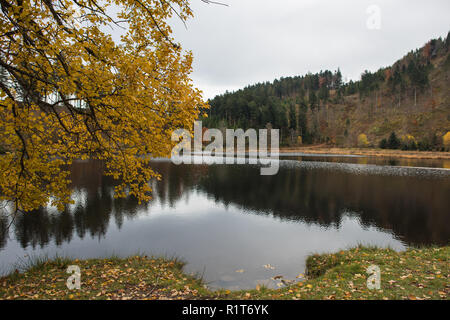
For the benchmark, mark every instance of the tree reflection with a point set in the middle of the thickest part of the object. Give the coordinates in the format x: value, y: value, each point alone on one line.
x: 414, y: 208
x: 3, y: 231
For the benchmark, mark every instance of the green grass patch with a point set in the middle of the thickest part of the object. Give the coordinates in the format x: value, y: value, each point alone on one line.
x: 137, y: 277
x: 416, y: 274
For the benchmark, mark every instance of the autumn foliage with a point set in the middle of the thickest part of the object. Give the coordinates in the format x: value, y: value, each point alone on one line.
x: 363, y: 141
x: 446, y: 140
x: 68, y: 91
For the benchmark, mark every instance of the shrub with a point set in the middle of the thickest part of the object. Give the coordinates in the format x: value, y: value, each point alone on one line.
x: 430, y: 143
x: 408, y: 142
x: 435, y: 141
x: 383, y: 144
x: 362, y: 141
x: 424, y: 145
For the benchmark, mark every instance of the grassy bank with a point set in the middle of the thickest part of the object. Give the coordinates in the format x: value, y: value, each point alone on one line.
x: 370, y: 152
x: 414, y: 274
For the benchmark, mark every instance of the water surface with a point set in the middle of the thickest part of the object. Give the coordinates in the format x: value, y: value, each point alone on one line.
x: 221, y: 219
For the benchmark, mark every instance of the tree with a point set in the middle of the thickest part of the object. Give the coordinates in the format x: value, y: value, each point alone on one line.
x: 418, y: 76
x: 324, y: 94
x: 446, y: 140
x: 383, y: 144
x: 292, y: 121
x: 447, y: 41
x: 338, y: 79
x: 312, y: 100
x: 352, y: 88
x: 363, y: 141
x: 302, y: 119
x: 86, y: 96
x: 292, y: 117
x: 395, y: 79
x: 393, y: 142
x: 408, y: 142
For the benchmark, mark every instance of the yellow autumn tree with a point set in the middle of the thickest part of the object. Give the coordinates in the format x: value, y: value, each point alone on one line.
x: 446, y: 140
x: 68, y: 91
x: 363, y: 141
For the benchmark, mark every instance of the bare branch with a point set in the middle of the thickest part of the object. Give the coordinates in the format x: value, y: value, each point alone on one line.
x: 214, y: 2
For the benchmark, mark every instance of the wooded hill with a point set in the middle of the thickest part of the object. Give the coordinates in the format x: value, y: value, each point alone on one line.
x: 409, y: 98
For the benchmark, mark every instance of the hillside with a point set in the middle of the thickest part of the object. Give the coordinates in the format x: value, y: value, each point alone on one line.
x: 409, y: 98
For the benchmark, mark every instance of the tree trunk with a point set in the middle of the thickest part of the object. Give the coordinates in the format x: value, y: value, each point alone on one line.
x: 415, y: 97
x: 376, y: 100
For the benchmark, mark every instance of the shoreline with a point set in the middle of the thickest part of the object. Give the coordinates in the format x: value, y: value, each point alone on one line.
x: 414, y: 274
x: 369, y: 152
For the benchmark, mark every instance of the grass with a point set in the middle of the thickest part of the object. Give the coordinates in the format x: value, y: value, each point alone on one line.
x: 137, y: 277
x: 414, y: 274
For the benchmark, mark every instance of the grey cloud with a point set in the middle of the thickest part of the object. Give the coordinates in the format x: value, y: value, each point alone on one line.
x: 260, y: 40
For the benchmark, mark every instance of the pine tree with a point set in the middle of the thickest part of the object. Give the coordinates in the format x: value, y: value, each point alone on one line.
x: 393, y: 142
x: 338, y: 79
x: 292, y: 117
x: 312, y: 100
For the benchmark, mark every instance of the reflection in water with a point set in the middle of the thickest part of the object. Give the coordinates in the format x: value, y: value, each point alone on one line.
x: 94, y: 207
x: 380, y: 161
x: 415, y: 208
x: 230, y: 217
x: 3, y: 231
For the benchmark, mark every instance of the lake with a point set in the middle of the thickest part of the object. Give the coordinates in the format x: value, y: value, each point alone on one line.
x: 237, y: 228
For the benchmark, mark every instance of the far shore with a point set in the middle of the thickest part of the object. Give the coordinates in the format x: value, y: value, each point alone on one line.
x: 370, y: 152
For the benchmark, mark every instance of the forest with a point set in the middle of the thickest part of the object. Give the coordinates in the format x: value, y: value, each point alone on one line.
x: 322, y: 108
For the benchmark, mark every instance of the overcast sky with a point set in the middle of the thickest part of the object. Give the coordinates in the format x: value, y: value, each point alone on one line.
x: 253, y: 41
